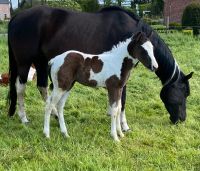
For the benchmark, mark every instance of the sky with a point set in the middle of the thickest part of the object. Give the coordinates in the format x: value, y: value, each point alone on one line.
x: 14, y: 3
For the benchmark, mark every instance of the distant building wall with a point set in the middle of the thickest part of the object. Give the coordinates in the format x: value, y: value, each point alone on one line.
x: 173, y: 9
x: 4, y: 11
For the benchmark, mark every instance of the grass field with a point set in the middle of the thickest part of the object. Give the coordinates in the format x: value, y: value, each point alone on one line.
x: 3, y: 27
x: 153, y: 144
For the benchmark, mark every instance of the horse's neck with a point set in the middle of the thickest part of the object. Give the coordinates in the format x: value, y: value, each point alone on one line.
x: 120, y: 50
x: 167, y: 64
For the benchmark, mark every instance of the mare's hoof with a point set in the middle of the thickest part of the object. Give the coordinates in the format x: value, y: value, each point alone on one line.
x: 25, y: 121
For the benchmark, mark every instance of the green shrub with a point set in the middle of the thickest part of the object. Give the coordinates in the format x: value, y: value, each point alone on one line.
x: 188, y: 31
x: 191, y: 17
x: 151, y: 21
x: 176, y: 26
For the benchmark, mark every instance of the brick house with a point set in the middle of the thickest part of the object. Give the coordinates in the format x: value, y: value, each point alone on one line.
x: 4, y: 9
x: 173, y: 9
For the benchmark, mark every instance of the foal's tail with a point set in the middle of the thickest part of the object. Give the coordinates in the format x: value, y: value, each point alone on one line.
x: 12, y: 94
x: 49, y: 72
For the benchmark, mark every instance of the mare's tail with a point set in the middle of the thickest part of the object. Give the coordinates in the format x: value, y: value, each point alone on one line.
x: 12, y: 94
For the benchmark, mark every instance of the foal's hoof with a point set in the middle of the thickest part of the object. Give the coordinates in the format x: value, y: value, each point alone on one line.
x: 121, y: 135
x: 125, y: 127
x: 126, y: 130
x: 66, y: 135
x: 116, y: 139
x: 46, y: 134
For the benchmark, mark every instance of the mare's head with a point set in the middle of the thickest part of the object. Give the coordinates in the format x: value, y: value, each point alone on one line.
x: 174, y: 97
x: 141, y: 48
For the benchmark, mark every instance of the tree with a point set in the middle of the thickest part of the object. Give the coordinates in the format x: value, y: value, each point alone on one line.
x: 71, y: 4
x: 119, y: 2
x: 88, y: 5
x: 157, y: 7
x: 191, y: 17
x: 107, y: 2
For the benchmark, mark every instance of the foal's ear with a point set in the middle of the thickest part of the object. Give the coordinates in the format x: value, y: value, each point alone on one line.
x: 187, y: 77
x: 150, y: 34
x: 137, y: 36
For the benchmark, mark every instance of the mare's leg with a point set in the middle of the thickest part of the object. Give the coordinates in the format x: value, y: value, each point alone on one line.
x: 51, y: 102
x: 41, y: 66
x: 123, y: 120
x: 20, y: 88
x: 60, y: 108
x: 115, y: 107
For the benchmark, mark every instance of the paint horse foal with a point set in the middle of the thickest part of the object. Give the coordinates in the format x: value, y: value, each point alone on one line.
x: 110, y: 70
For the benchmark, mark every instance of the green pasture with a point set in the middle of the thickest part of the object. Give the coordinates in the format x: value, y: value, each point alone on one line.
x: 3, y: 27
x: 153, y: 144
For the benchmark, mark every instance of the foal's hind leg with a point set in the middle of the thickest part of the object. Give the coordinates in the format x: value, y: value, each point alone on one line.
x: 123, y: 120
x: 51, y: 102
x: 42, y: 81
x: 60, y: 107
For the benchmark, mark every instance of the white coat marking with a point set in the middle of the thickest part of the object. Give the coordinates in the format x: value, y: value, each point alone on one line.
x: 149, y: 48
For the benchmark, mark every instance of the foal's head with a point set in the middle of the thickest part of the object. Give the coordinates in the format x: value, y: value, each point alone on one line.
x: 141, y: 48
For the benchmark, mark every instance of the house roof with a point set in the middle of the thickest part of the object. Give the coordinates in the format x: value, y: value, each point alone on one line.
x: 4, y: 2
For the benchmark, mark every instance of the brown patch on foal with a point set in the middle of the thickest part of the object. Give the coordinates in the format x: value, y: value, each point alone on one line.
x: 96, y: 64
x: 75, y: 68
x: 115, y: 85
x: 68, y: 70
x: 84, y: 72
x: 127, y: 65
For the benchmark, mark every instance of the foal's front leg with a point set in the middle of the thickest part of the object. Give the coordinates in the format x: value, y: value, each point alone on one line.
x: 115, y: 108
x: 123, y: 120
x: 51, y: 102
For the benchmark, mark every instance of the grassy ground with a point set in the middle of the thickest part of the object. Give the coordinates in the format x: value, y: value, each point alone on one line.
x: 3, y: 26
x: 153, y: 143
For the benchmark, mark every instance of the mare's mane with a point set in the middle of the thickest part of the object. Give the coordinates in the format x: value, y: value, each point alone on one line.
x: 162, y: 52
x: 116, y: 8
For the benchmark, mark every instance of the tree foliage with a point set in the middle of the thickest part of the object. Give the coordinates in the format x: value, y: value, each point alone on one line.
x: 71, y: 4
x: 107, y: 3
x: 191, y: 17
x: 157, y: 7
x: 88, y: 5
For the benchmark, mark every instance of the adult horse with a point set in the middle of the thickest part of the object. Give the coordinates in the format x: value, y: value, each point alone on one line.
x: 38, y: 34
